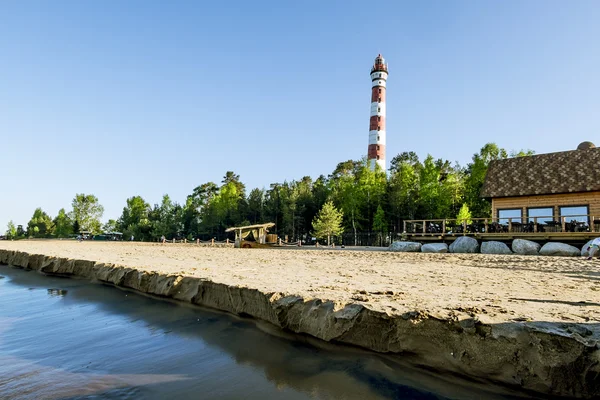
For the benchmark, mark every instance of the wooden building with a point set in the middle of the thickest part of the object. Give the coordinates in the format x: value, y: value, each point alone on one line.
x: 546, y: 188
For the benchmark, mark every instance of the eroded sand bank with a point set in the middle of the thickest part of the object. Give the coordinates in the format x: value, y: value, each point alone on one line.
x: 532, y: 322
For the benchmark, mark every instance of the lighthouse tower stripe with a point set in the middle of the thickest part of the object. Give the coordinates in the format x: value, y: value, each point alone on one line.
x: 377, y: 134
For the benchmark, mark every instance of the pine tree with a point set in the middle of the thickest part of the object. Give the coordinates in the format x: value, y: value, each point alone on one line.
x: 328, y: 222
x: 464, y: 215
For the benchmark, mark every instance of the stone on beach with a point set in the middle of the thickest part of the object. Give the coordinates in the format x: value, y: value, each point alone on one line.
x: 559, y: 249
x: 494, y: 247
x: 584, y: 250
x: 434, y: 248
x: 525, y: 247
x: 464, y: 244
x: 405, y: 246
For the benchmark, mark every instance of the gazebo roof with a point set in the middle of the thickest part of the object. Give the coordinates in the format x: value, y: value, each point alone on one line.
x: 244, y: 228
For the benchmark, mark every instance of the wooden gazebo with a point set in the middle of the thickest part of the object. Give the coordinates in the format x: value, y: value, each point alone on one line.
x: 258, y: 231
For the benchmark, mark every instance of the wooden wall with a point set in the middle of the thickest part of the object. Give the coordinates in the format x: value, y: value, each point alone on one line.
x: 591, y: 199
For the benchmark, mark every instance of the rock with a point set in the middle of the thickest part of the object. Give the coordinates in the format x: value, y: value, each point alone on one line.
x: 559, y: 249
x: 434, y: 248
x: 464, y: 244
x: 525, y: 247
x: 405, y: 246
x: 584, y: 251
x: 494, y: 247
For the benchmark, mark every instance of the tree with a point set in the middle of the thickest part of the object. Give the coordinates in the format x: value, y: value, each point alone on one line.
x: 379, y: 224
x: 328, y: 222
x: 11, y: 230
x: 134, y: 220
x: 110, y: 226
x: 476, y: 172
x: 464, y: 215
x: 87, y: 212
x: 63, y: 225
x: 40, y: 224
x: 256, y: 203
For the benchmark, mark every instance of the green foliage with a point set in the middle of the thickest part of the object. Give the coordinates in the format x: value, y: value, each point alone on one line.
x: 328, y: 222
x: 522, y: 153
x: 476, y: 172
x: 367, y: 201
x: 11, y: 230
x: 380, y: 225
x: 87, y: 212
x: 379, y: 222
x: 63, y: 225
x: 111, y: 226
x: 40, y: 224
x: 134, y: 220
x: 464, y: 215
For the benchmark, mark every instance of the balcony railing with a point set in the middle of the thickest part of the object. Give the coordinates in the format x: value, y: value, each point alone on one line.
x: 534, y: 225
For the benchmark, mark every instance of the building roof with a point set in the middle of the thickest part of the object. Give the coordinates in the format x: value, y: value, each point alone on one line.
x: 564, y: 172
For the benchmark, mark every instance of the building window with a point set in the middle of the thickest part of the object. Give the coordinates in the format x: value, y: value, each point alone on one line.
x: 378, y: 109
x: 377, y: 147
x: 379, y: 76
x: 378, y: 157
x: 514, y: 214
x: 378, y: 119
x: 378, y: 138
x: 543, y: 214
x: 577, y: 213
x: 378, y: 128
x: 379, y: 100
x: 379, y: 90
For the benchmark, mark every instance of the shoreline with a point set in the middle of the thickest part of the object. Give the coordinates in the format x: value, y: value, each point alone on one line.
x: 532, y: 347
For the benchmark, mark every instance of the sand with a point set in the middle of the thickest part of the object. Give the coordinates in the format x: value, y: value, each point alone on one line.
x: 494, y: 289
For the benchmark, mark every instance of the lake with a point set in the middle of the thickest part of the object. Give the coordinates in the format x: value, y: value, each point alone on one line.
x: 66, y: 338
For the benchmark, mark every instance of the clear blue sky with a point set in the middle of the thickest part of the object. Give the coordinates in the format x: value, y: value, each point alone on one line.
x: 123, y: 98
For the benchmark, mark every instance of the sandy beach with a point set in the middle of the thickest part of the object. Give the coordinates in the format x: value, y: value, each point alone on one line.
x: 524, y: 321
x: 494, y: 289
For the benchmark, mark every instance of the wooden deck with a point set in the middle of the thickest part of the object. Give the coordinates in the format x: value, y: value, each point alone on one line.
x: 576, y: 229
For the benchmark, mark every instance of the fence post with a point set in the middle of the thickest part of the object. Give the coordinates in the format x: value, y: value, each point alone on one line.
x: 212, y: 241
x: 485, y: 226
x: 592, y: 224
x: 424, y: 226
x: 197, y: 241
x: 227, y: 241
x: 404, y: 226
x: 510, y: 225
x: 535, y: 227
x: 279, y: 240
x: 464, y: 224
x: 562, y: 223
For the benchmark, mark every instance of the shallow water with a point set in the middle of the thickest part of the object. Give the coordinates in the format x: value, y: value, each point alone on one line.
x: 69, y: 339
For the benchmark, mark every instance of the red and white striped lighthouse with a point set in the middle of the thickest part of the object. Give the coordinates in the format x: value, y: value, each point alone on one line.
x: 376, y: 153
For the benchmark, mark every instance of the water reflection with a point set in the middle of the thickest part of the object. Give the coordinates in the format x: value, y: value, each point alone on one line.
x: 123, y: 344
x: 57, y: 292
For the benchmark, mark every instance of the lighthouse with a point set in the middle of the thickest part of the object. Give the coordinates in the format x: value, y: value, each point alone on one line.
x: 376, y: 153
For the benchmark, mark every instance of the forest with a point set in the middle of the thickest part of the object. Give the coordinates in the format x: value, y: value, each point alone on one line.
x: 373, y: 204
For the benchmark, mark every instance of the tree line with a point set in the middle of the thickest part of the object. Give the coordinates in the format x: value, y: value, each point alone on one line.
x: 367, y: 201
